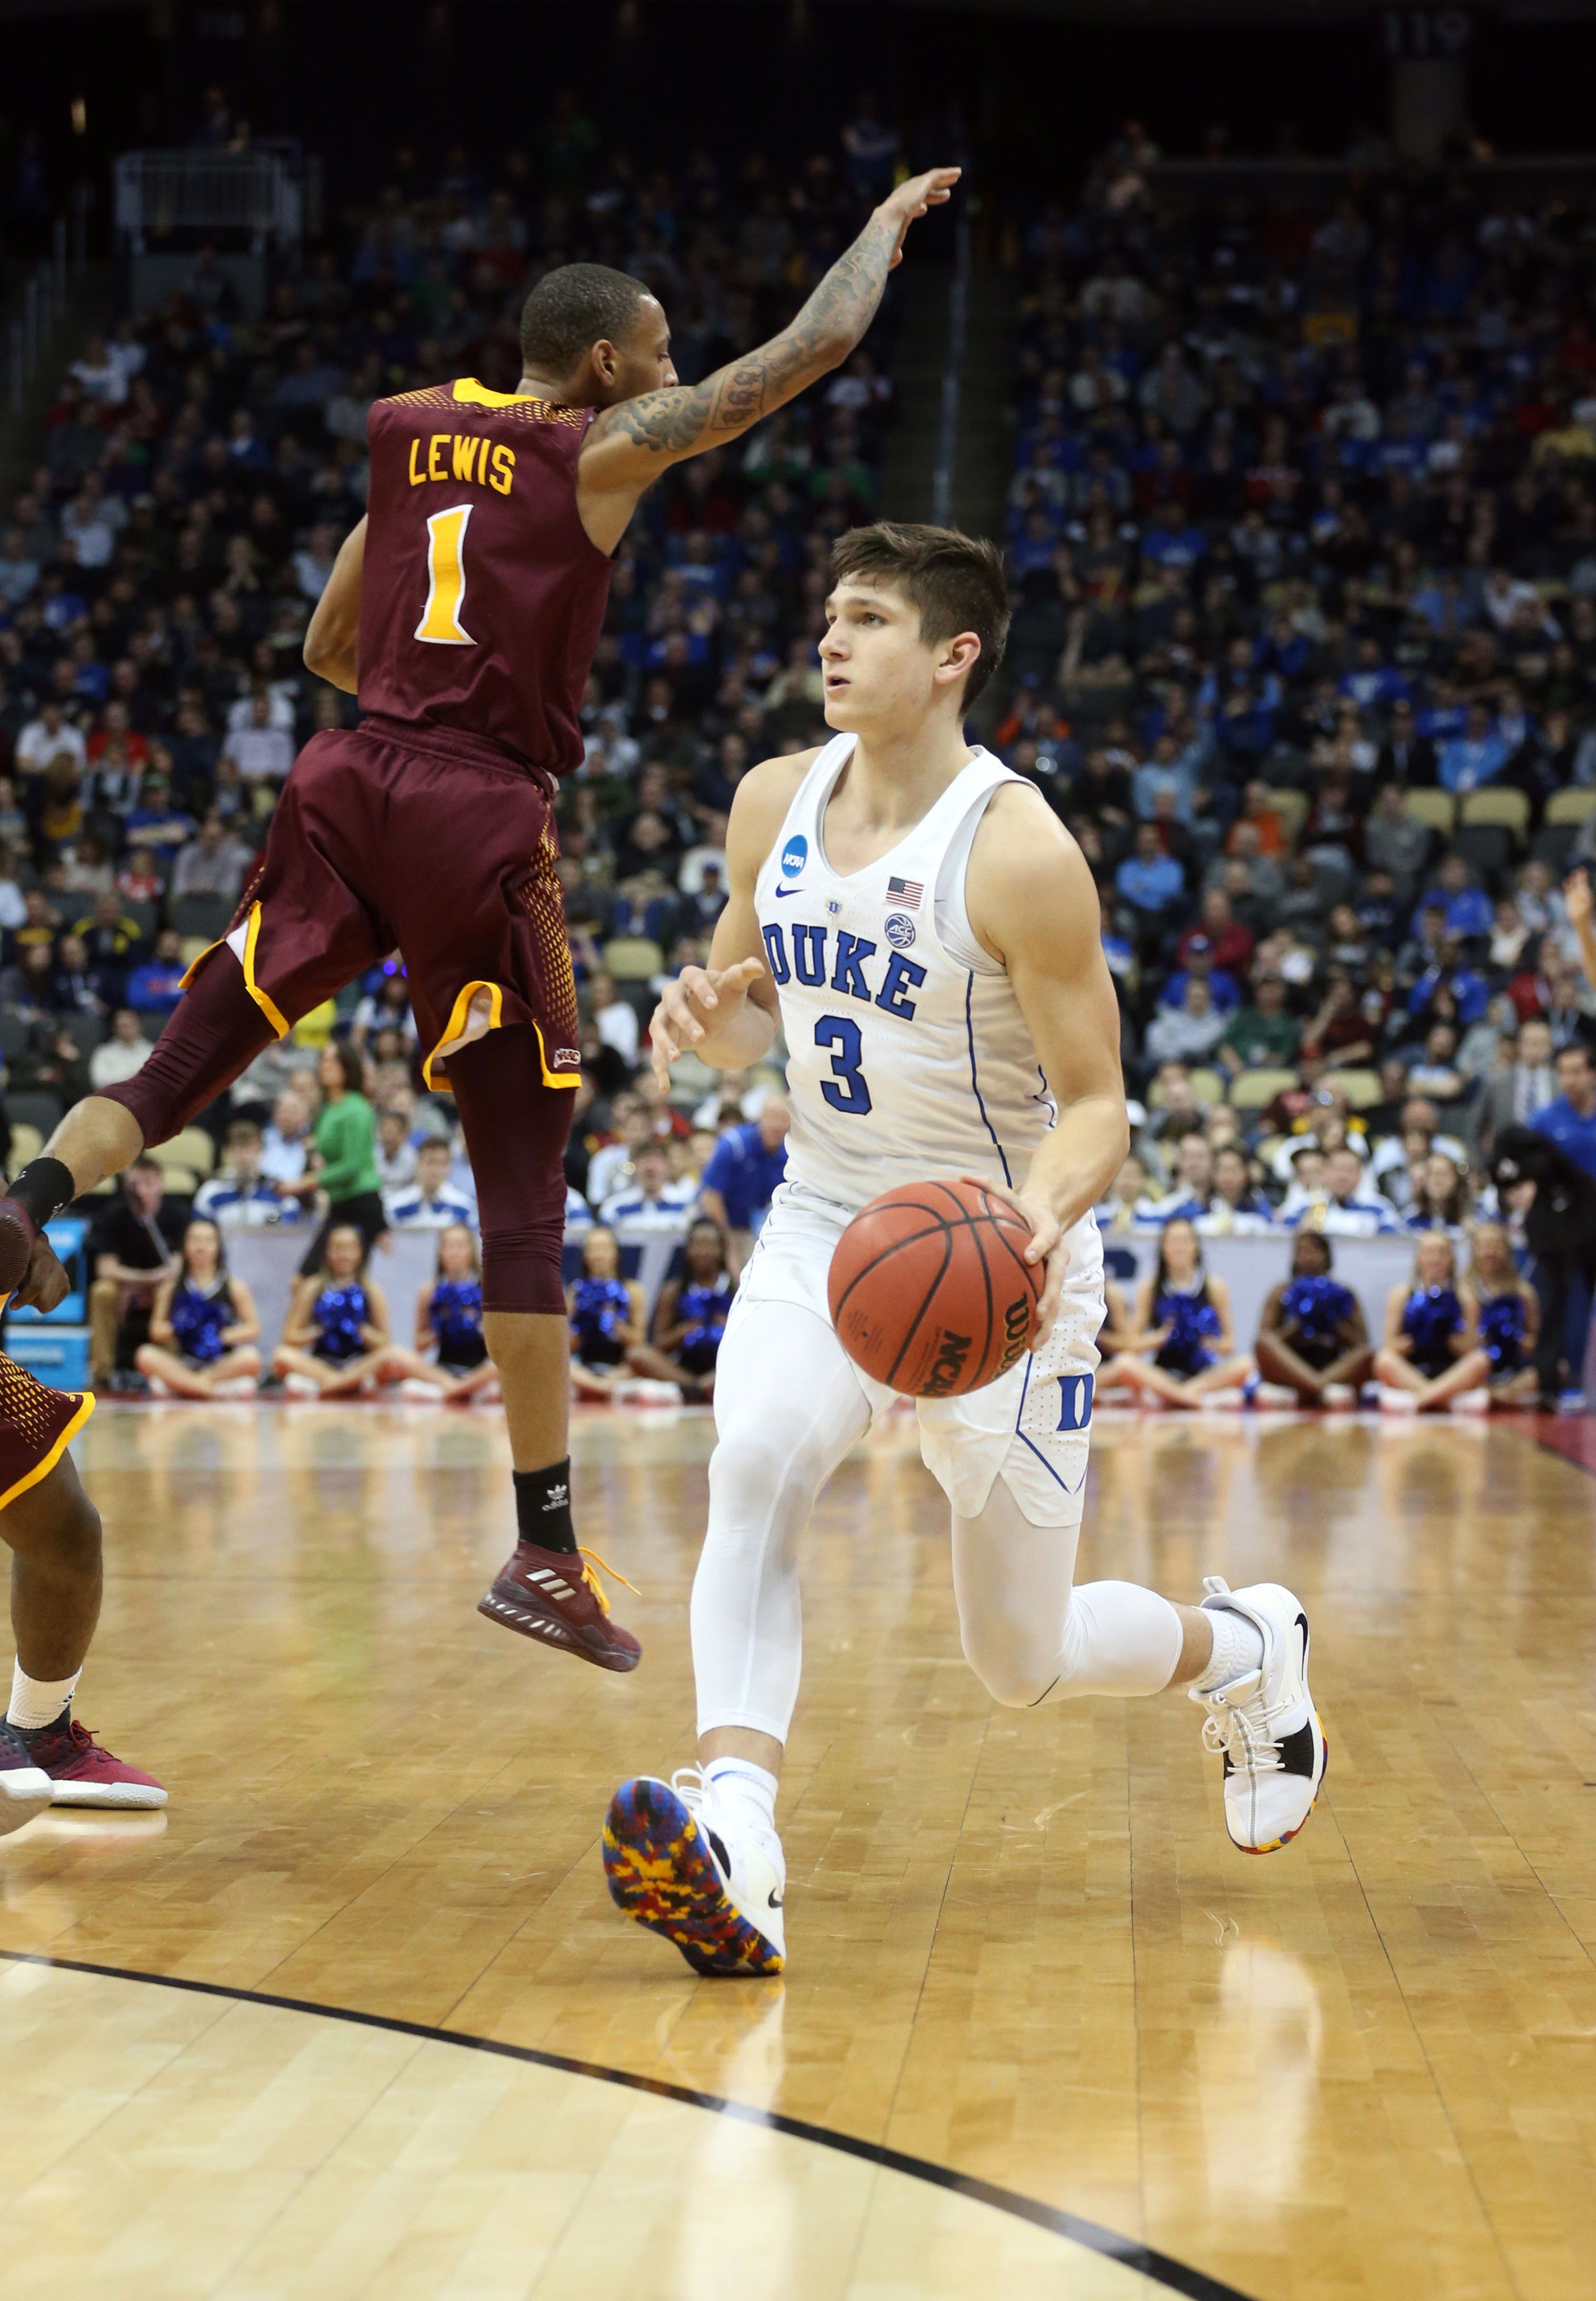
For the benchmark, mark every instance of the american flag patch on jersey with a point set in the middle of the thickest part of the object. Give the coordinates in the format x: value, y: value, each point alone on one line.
x: 907, y: 892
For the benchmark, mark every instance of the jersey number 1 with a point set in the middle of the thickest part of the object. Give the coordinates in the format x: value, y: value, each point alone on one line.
x: 446, y: 579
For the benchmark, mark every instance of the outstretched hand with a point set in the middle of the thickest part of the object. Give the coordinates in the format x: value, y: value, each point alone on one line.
x: 1047, y: 1245
x: 692, y: 1005
x: 913, y: 198
x: 1577, y: 895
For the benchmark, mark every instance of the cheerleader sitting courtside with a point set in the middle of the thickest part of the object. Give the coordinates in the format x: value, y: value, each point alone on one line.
x: 1181, y: 1349
x: 690, y: 1315
x: 450, y: 1358
x: 1504, y: 1315
x: 607, y: 1318
x: 1312, y: 1339
x: 1428, y: 1357
x: 337, y: 1335
x: 204, y: 1327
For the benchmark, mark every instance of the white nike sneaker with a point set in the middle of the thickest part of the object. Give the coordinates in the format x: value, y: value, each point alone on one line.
x: 677, y: 1863
x: 1264, y: 1724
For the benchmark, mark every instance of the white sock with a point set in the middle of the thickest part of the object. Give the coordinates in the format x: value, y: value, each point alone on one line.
x: 1238, y: 1648
x: 36, y: 1702
x: 747, y: 1790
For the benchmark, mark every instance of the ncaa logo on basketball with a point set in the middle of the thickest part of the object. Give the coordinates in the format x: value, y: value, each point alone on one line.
x: 901, y: 931
x: 793, y: 856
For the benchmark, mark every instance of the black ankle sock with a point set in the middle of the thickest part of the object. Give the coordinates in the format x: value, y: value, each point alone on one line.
x: 44, y: 1187
x: 543, y: 1507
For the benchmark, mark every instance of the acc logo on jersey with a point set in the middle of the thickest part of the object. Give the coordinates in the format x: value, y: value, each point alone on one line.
x: 793, y: 856
x: 901, y: 931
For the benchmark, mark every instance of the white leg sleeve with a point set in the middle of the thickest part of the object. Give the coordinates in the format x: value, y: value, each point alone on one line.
x: 788, y: 1406
x: 1029, y: 1634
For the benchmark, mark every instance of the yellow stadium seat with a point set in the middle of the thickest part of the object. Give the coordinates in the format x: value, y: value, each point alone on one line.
x: 1575, y: 805
x: 315, y: 1029
x: 26, y: 1144
x: 633, y: 959
x: 1207, y: 1086
x: 1256, y: 1090
x: 1435, y: 807
x: 1361, y: 1088
x: 1291, y: 807
x: 1508, y: 810
x: 192, y: 1148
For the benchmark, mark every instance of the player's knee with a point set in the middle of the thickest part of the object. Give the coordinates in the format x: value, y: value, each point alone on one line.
x: 522, y: 1267
x: 756, y: 1474
x: 1016, y: 1664
x: 63, y: 1529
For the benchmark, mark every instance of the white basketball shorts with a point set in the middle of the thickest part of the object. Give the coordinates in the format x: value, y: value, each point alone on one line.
x: 1033, y: 1424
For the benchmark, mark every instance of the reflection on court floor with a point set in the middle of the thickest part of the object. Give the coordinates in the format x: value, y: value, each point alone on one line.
x: 1021, y: 1948
x: 185, y: 2145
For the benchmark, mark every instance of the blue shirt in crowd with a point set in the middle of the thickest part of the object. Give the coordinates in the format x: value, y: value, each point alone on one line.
x: 745, y: 1173
x: 1152, y: 885
x: 1575, y: 1136
x: 1465, y: 763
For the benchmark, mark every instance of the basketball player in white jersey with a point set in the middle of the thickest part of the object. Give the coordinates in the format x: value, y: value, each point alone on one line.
x: 928, y: 934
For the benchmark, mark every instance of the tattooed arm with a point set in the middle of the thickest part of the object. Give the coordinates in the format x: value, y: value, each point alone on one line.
x: 631, y: 443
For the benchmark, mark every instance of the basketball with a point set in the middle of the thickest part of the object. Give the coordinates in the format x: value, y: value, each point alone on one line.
x: 930, y: 1289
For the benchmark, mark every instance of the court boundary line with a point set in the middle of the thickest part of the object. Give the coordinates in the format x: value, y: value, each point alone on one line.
x: 1570, y: 1438
x: 1145, y: 2260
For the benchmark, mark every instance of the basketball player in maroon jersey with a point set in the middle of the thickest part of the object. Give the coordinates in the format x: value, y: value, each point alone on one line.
x: 463, y: 611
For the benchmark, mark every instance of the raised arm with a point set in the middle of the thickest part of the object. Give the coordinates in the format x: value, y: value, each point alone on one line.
x: 332, y: 638
x: 631, y: 444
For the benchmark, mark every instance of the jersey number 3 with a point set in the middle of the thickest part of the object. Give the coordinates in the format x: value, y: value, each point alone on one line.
x: 441, y: 621
x: 845, y: 1090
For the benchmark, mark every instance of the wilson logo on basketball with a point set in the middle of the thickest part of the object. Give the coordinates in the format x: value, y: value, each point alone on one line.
x: 1016, y: 1331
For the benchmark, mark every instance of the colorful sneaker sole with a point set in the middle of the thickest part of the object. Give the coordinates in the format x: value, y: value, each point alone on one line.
x: 661, y: 1874
x: 1275, y: 1844
x: 507, y: 1603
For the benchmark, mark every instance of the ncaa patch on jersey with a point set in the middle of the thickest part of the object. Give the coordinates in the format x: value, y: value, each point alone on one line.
x: 900, y: 932
x: 793, y: 856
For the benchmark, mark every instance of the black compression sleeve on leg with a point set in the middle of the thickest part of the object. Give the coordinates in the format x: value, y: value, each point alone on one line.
x: 43, y: 1188
x: 543, y: 1507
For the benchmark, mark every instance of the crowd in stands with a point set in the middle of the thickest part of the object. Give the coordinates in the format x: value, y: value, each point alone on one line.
x: 1303, y: 535
x: 1303, y: 530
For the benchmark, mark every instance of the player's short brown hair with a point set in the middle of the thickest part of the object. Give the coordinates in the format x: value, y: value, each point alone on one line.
x: 573, y: 307
x: 956, y: 582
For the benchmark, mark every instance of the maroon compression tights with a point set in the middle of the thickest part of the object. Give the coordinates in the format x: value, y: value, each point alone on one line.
x: 515, y: 1127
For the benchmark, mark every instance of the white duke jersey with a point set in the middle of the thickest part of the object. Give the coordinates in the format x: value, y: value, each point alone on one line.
x: 907, y: 1055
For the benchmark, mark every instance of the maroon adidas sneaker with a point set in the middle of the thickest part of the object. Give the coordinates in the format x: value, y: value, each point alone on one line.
x: 558, y: 1598
x: 25, y: 1788
x: 80, y: 1773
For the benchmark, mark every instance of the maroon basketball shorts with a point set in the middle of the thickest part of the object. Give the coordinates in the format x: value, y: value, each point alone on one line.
x: 36, y: 1427
x: 429, y: 843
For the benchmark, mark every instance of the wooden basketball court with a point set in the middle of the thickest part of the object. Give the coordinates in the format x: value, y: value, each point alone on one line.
x: 355, y: 2015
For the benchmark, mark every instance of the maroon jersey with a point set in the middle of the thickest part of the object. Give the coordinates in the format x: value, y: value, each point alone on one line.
x: 481, y: 596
